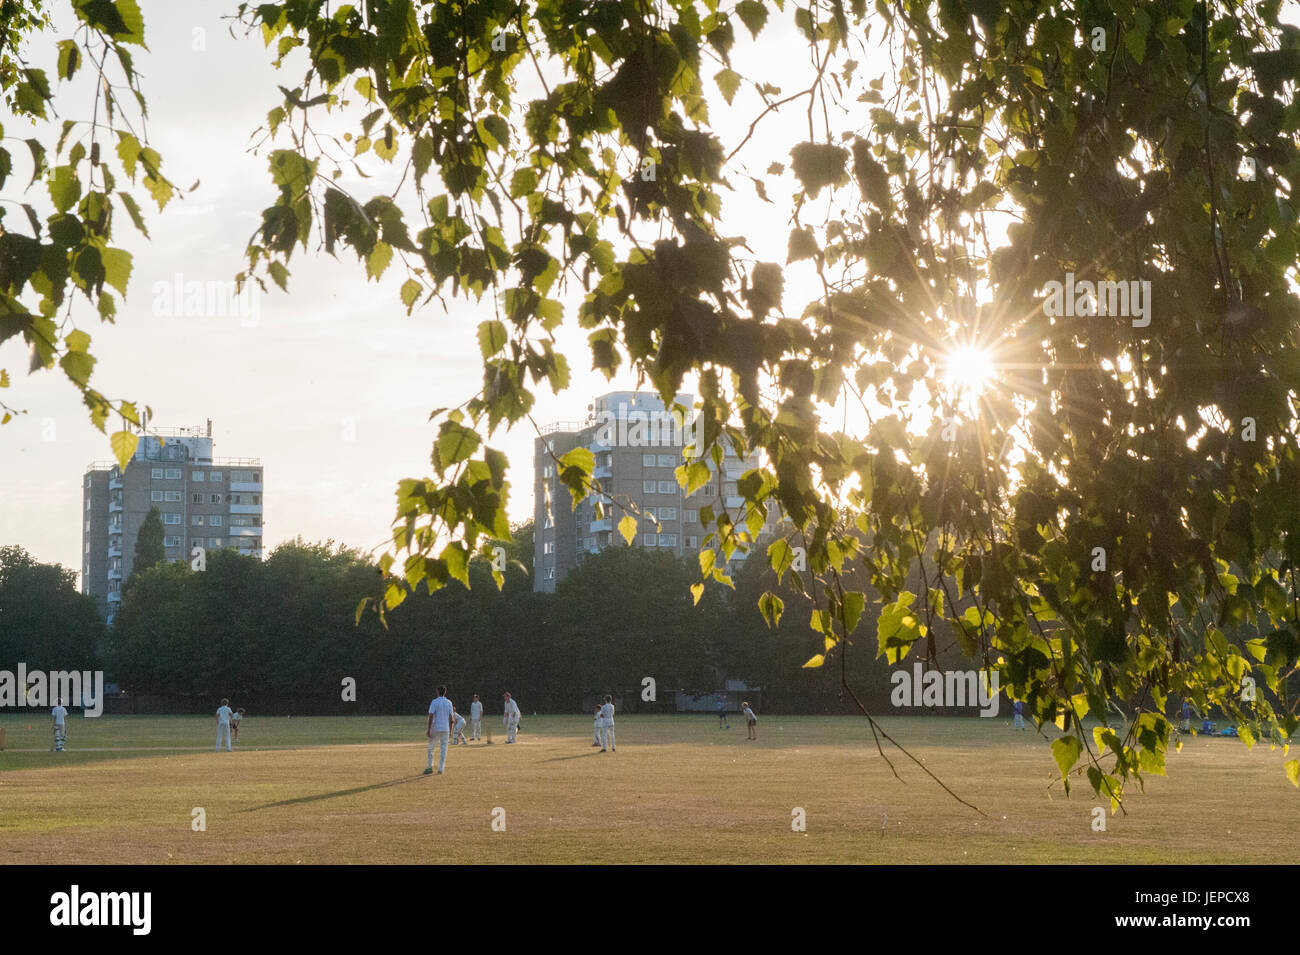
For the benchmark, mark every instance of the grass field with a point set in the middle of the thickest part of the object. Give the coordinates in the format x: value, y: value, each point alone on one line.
x: 350, y: 790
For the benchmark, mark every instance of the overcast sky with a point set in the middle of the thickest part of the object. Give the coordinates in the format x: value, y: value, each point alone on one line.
x: 332, y: 384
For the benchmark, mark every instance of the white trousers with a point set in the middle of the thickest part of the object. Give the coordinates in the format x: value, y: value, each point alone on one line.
x: 223, y: 729
x: 476, y: 730
x: 596, y: 736
x: 439, y: 738
x: 607, y: 736
x: 512, y: 727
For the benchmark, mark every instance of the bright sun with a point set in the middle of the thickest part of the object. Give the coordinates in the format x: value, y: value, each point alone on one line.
x: 969, y: 370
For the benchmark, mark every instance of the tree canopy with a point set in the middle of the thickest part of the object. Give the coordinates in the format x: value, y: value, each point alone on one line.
x: 1112, y: 519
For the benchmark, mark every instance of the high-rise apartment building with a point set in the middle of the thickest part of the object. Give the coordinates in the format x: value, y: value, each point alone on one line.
x: 203, y: 502
x: 637, y: 444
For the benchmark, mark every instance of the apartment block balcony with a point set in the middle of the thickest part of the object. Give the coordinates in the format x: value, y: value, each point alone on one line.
x: 245, y: 508
x: 245, y: 532
x: 602, y: 471
x: 736, y: 501
x: 115, y: 482
x: 115, y: 575
x: 115, y: 597
x: 115, y: 550
x: 606, y: 524
x: 114, y: 507
x: 254, y: 486
x: 115, y: 528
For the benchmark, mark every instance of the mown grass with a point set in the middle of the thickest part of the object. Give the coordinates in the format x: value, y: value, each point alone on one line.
x: 349, y: 790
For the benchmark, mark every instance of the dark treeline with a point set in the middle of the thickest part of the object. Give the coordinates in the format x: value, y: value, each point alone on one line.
x: 281, y: 635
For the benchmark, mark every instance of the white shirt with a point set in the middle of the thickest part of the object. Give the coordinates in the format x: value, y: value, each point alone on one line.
x: 60, y: 715
x: 512, y: 710
x: 607, y: 714
x: 749, y: 715
x: 460, y: 720
x: 223, y: 715
x: 441, y: 711
x: 236, y: 717
x: 476, y: 711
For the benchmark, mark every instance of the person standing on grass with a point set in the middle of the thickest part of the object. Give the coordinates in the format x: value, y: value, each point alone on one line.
x: 234, y: 724
x: 1187, y: 717
x: 595, y: 739
x: 512, y: 715
x: 607, y: 725
x: 476, y: 718
x: 752, y: 720
x: 60, y: 714
x: 1019, y: 707
x: 722, y: 714
x: 439, y: 730
x: 224, y: 714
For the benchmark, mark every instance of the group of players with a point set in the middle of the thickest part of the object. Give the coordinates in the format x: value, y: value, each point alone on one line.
x: 446, y: 726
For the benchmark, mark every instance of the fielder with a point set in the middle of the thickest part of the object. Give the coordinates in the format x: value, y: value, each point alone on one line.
x: 60, y: 714
x: 223, y: 725
x: 440, y: 711
x: 607, y: 725
x: 595, y: 739
x: 752, y: 721
x: 511, y: 719
x: 476, y: 719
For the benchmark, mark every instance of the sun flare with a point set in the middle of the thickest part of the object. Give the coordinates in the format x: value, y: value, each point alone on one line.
x: 969, y: 370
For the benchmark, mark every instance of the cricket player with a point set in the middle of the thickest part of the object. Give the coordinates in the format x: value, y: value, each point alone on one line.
x: 595, y: 739
x: 722, y: 715
x: 476, y: 718
x: 511, y: 719
x: 458, y: 731
x: 440, y: 711
x: 60, y: 714
x: 223, y: 724
x: 607, y: 725
x: 751, y: 719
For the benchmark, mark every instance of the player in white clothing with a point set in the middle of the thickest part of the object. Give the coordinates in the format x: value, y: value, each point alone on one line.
x: 511, y: 719
x: 458, y: 728
x: 60, y: 714
x: 607, y: 725
x: 440, y: 711
x: 224, y: 713
x: 595, y: 739
x: 476, y: 719
x: 752, y: 721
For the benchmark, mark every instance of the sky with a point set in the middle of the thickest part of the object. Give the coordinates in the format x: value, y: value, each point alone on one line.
x: 330, y: 385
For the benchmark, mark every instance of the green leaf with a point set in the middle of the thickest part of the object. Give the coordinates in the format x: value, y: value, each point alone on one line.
x: 378, y: 259
x: 123, y: 444
x: 728, y: 82
x: 455, y: 443
x: 65, y: 188
x: 491, y: 337
x: 411, y: 290
x: 818, y: 165
x: 117, y: 268
x: 753, y: 14
x: 1066, y: 752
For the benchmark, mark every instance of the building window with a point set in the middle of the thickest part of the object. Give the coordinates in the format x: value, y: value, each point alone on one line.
x: 667, y: 514
x: 730, y: 489
x: 691, y: 516
x: 244, y: 520
x: 172, y: 541
x: 216, y: 498
x: 170, y: 518
x: 88, y: 526
x: 196, y: 520
x: 647, y: 460
x: 87, y: 547
x: 547, y: 523
x: 690, y: 540
x: 667, y: 461
x: 667, y: 540
x: 214, y: 476
x: 173, y: 496
x: 667, y: 487
x: 548, y: 547
x: 157, y: 474
x: 649, y: 539
x: 257, y: 499
x: 197, y: 476
x: 214, y: 520
x: 214, y: 541
x: 648, y: 487
x: 197, y: 498
x: 550, y: 573
x: 155, y: 496
x: 173, y: 474
x: 196, y: 541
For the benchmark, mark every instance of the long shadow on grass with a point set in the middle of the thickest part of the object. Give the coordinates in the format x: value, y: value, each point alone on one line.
x: 341, y: 792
